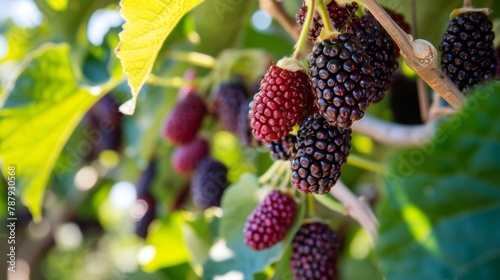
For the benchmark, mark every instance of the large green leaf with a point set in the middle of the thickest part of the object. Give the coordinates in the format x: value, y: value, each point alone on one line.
x: 238, y: 202
x: 440, y: 219
x: 146, y: 28
x: 43, y: 107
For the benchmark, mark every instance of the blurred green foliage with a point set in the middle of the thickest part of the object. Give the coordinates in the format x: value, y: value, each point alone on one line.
x: 438, y: 220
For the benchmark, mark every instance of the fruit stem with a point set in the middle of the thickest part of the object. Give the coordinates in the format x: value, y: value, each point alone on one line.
x: 420, y: 55
x: 423, y: 100
x: 330, y: 203
x: 169, y: 82
x: 305, y: 29
x: 357, y: 209
x: 363, y: 163
x: 327, y: 23
x: 194, y: 58
x: 311, y: 211
x: 393, y: 134
x: 284, y: 165
x: 286, y: 180
x: 276, y: 11
x: 270, y: 172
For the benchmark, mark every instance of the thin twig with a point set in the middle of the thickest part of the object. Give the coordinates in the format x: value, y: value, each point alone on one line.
x: 331, y: 203
x: 423, y: 100
x: 276, y: 11
x: 282, y: 169
x: 285, y: 180
x: 357, y: 209
x: 194, y: 58
x: 366, y: 164
x: 393, y: 134
x: 169, y: 82
x: 437, y: 110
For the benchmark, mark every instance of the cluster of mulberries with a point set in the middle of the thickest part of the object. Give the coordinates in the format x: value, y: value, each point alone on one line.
x: 191, y: 153
x: 344, y: 75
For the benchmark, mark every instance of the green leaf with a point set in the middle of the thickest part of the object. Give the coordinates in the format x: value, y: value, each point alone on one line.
x: 166, y: 237
x: 237, y: 204
x: 42, y: 109
x: 146, y: 28
x: 440, y: 219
